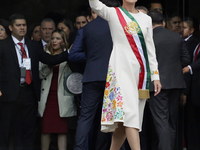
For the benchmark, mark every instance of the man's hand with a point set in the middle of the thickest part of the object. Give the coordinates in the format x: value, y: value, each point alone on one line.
x: 186, y: 69
x: 0, y: 93
x: 157, y: 87
x: 183, y: 99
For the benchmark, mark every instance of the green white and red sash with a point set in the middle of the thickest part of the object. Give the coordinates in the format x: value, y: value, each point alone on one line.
x: 138, y: 46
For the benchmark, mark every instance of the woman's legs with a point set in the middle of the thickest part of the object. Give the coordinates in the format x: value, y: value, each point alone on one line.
x: 45, y: 141
x: 62, y: 141
x: 118, y: 137
x: 133, y: 138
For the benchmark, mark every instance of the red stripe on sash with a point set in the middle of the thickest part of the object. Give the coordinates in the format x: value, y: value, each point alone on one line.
x: 133, y: 46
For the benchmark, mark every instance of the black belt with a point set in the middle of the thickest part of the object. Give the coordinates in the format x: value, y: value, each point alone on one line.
x: 23, y: 84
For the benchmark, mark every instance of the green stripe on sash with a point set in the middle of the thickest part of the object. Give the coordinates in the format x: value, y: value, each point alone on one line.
x: 141, y: 37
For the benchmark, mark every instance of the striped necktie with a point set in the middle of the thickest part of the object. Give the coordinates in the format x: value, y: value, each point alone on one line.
x: 28, y: 72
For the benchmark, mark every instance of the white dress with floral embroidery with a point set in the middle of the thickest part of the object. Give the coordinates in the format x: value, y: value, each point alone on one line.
x: 121, y: 102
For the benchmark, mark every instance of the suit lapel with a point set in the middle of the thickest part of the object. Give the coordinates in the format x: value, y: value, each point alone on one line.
x: 28, y: 44
x: 11, y: 48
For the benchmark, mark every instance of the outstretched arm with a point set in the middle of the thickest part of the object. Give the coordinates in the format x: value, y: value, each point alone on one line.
x: 76, y: 53
x: 101, y: 9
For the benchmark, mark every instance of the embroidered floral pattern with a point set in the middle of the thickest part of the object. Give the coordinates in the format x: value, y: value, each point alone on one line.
x: 154, y: 72
x: 113, y: 100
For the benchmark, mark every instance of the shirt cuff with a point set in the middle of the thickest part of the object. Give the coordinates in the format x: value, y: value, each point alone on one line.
x: 191, y: 72
x: 155, y: 75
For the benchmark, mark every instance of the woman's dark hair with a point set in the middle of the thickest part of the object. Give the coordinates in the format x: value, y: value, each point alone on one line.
x: 111, y: 3
x: 68, y: 23
x: 5, y: 24
x: 31, y: 29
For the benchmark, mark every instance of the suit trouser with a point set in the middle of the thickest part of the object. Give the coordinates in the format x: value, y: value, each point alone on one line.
x: 19, y: 119
x: 148, y: 138
x: 193, y: 129
x: 164, y: 109
x: 92, y: 98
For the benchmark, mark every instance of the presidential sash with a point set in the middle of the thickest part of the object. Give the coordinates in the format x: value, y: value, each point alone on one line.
x: 135, y: 37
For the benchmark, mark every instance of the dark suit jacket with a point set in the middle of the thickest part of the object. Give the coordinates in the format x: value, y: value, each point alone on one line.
x: 90, y: 45
x: 77, y: 55
x: 195, y: 82
x: 72, y: 37
x: 41, y: 45
x: 97, y: 50
x: 171, y: 56
x: 10, y: 71
x: 191, y: 44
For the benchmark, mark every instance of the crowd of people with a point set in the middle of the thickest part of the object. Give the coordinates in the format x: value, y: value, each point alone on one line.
x: 140, y: 83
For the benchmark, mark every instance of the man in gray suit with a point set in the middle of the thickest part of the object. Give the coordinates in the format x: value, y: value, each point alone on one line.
x: 171, y: 56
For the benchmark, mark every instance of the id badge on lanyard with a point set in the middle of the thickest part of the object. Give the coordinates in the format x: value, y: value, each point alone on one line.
x: 26, y: 63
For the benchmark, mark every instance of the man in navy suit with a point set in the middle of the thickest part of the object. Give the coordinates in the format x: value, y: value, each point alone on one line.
x: 95, y: 39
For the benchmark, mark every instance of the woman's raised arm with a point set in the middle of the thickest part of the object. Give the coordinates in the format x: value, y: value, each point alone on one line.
x: 101, y: 9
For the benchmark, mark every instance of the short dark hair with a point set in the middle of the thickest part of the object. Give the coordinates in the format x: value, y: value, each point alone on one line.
x: 5, y: 24
x: 156, y: 16
x: 13, y: 17
x: 47, y: 20
x: 153, y: 1
x: 189, y: 21
x: 192, y: 23
x: 111, y: 3
x: 79, y: 14
x: 172, y: 15
x: 143, y: 8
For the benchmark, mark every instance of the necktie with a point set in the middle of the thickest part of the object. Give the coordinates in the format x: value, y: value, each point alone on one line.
x: 196, y: 52
x: 28, y: 72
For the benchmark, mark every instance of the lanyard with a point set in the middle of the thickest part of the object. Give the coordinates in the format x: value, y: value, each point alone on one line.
x: 20, y: 52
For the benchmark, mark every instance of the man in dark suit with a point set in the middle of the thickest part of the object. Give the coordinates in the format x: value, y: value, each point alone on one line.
x: 95, y: 39
x: 155, y: 5
x: 173, y: 22
x: 171, y: 56
x: 190, y: 125
x: 46, y: 27
x: 80, y: 22
x: 194, y: 101
x: 20, y: 85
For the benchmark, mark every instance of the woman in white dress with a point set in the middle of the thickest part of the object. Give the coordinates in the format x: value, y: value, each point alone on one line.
x: 132, y: 64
